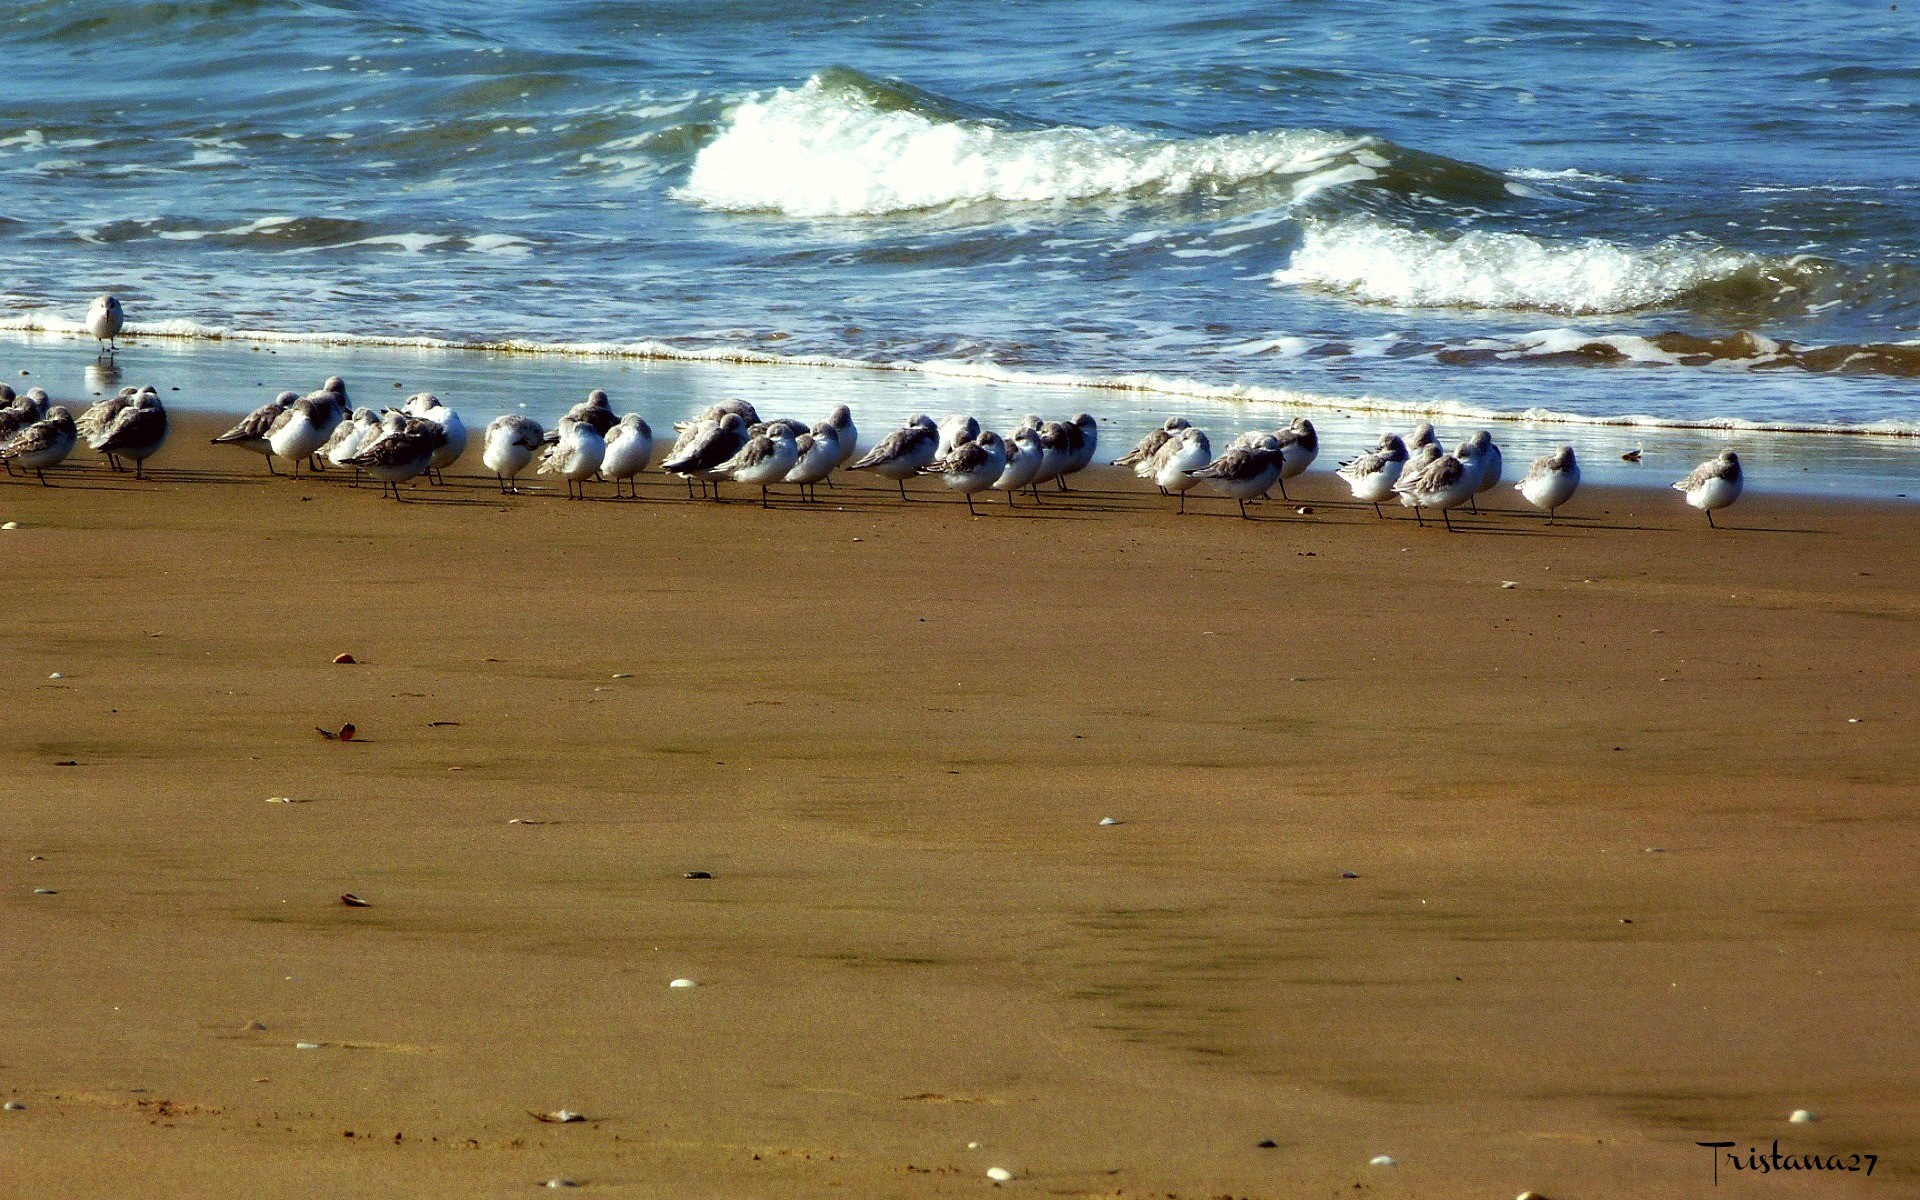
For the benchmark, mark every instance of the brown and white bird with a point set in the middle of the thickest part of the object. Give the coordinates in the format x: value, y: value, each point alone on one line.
x: 136, y: 432
x: 1713, y: 484
x: 250, y: 433
x: 45, y: 443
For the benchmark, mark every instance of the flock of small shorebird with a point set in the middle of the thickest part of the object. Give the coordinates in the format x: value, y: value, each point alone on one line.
x: 730, y: 443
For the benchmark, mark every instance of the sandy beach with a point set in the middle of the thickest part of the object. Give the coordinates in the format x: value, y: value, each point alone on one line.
x: 1527, y: 887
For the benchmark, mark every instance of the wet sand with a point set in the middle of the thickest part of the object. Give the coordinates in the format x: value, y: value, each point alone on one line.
x: 1626, y: 876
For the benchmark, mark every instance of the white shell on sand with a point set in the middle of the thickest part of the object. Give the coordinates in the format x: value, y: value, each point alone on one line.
x: 559, y: 1182
x: 1382, y: 1160
x: 1109, y: 820
x: 45, y: 892
x: 56, y: 675
x: 11, y: 525
x: 306, y: 1045
x: 1801, y: 1117
x: 13, y: 1106
x: 973, y: 1145
x: 683, y: 983
x: 999, y: 1174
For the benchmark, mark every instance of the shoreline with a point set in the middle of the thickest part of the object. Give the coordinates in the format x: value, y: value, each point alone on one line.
x: 232, y: 377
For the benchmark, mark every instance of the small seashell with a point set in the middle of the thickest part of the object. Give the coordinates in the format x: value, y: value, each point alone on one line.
x: 559, y: 1116
x: 698, y: 875
x: 999, y: 1174
x: 45, y: 892
x: 1266, y: 1144
x: 344, y: 660
x: 1349, y: 875
x: 56, y: 675
x: 1529, y: 1196
x: 973, y: 1145
x: 13, y: 1106
x: 306, y: 1045
x: 623, y: 674
x: 560, y: 1181
x: 353, y: 901
x: 1507, y: 585
x: 1853, y: 720
x: 523, y: 821
x: 1305, y: 510
x: 1109, y: 820
x: 1801, y: 1117
x: 1382, y: 1160
x: 11, y: 525
x: 683, y: 983
x: 283, y: 800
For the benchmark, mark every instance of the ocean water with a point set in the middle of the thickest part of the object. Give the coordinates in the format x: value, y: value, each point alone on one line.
x: 1703, y: 214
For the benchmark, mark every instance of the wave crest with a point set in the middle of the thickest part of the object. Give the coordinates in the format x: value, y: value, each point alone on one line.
x: 841, y: 145
x: 1410, y: 268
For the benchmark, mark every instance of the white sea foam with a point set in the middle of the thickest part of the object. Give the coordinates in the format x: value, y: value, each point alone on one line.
x: 1388, y: 264
x: 1261, y: 396
x: 827, y: 149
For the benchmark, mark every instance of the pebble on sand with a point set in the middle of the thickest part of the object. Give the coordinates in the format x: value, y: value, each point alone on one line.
x: 999, y: 1174
x: 683, y: 983
x: 13, y: 1106
x: 306, y: 1045
x: 1382, y: 1160
x: 1801, y: 1117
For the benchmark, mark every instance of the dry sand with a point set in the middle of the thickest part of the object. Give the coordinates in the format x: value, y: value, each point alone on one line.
x: 1628, y: 876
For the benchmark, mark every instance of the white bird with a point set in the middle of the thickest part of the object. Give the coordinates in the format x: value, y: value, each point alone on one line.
x: 1024, y: 453
x: 972, y: 466
x: 1491, y: 464
x: 763, y: 461
x: 45, y: 443
x: 349, y: 437
x: 401, y: 452
x: 1299, y: 446
x: 820, y: 453
x: 1447, y: 484
x: 576, y: 456
x: 137, y: 432
x: 1083, y: 436
x: 903, y: 453
x: 92, y: 424
x: 704, y: 446
x: 298, y: 431
x: 427, y: 407
x: 1141, y: 457
x: 251, y: 432
x: 1423, y: 435
x: 1244, y: 472
x: 717, y: 413
x: 955, y: 429
x: 596, y: 410
x: 841, y: 418
x: 1713, y: 484
x: 629, y: 450
x: 508, y: 446
x: 1551, y: 481
x: 105, y: 318
x: 1176, y: 461
x: 1419, y: 461
x: 1372, y: 476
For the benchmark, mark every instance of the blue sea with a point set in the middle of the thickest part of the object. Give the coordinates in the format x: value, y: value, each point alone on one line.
x: 1702, y: 214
